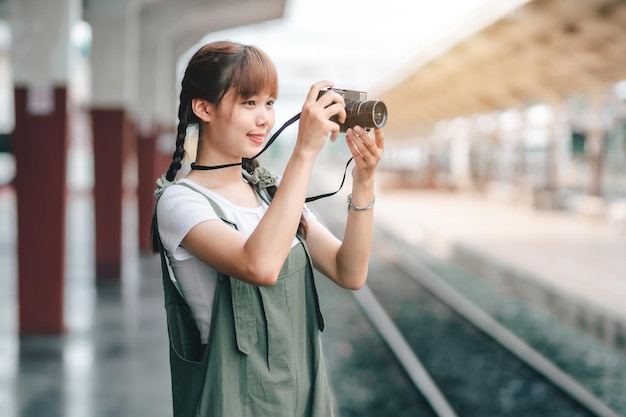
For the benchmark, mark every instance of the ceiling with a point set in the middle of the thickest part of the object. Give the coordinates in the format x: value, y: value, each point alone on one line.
x: 545, y: 51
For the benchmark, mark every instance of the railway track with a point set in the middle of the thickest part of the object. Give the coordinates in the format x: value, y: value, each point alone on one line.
x: 460, y: 360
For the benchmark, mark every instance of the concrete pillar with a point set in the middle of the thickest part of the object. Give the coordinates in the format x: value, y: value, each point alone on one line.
x: 460, y: 154
x: 557, y: 133
x: 115, y: 52
x: 596, y: 136
x: 40, y: 56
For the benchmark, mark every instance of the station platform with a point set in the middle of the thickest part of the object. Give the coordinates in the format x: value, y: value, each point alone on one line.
x: 566, y: 263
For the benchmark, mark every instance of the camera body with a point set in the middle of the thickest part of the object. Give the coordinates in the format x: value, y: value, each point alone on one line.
x: 359, y: 110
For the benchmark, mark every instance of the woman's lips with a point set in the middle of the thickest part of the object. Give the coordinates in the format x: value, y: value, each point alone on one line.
x: 256, y: 138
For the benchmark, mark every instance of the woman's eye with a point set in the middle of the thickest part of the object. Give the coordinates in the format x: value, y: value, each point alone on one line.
x: 270, y: 103
x: 249, y: 103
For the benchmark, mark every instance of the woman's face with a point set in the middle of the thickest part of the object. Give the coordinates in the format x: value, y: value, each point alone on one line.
x: 241, y: 125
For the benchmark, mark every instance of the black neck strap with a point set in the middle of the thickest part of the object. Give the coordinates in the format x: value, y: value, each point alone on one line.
x: 195, y: 166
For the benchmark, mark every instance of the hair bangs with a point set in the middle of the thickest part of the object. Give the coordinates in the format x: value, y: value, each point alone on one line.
x: 254, y: 74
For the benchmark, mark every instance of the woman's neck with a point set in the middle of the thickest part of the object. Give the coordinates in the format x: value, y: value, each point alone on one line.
x: 216, y: 178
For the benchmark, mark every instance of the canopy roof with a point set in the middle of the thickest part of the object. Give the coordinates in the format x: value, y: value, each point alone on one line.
x: 545, y: 51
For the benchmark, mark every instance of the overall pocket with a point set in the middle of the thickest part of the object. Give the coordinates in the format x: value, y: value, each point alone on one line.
x: 244, y: 316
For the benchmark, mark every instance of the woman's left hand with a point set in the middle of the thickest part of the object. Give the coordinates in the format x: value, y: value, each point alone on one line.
x: 366, y: 151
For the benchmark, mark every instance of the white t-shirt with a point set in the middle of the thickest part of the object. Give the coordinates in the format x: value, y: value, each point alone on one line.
x: 178, y: 211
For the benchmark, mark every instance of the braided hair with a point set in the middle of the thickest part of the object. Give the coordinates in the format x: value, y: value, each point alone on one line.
x: 214, y: 70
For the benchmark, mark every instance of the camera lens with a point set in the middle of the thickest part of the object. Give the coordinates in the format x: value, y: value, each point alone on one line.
x: 379, y: 113
x: 367, y: 114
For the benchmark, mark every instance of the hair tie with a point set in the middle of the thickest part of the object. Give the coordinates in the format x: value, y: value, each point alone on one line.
x: 260, y: 178
x: 162, y: 183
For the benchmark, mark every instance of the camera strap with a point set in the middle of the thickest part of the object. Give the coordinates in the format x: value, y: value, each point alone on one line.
x: 317, y: 197
x: 267, y: 145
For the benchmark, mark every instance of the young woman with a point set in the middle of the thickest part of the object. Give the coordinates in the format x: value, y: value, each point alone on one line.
x: 237, y: 247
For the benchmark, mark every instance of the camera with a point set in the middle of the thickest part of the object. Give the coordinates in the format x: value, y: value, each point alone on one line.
x: 359, y: 110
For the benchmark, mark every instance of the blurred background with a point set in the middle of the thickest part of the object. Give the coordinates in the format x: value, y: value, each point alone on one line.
x: 498, y: 276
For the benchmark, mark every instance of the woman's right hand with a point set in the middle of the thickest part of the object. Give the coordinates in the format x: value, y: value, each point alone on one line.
x: 315, y: 124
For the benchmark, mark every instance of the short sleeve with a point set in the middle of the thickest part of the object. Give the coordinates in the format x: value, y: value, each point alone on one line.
x: 179, y: 210
x: 308, y: 214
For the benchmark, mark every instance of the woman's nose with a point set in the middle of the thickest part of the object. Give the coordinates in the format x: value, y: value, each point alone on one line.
x: 263, y: 116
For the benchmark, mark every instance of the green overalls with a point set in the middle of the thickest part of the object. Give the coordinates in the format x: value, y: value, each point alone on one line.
x: 263, y: 357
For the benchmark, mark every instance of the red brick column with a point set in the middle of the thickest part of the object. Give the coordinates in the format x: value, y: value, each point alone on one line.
x: 40, y: 145
x: 147, y: 154
x: 153, y: 162
x: 114, y: 149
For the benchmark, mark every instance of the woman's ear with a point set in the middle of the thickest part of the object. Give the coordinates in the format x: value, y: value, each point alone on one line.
x: 202, y: 109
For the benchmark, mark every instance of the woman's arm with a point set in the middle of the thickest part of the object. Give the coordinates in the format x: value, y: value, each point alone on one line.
x: 346, y: 262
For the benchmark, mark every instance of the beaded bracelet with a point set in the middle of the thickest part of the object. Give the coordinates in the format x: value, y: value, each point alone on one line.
x: 357, y: 208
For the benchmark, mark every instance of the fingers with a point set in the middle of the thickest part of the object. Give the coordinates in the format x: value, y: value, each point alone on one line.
x: 325, y: 99
x: 368, y: 149
x: 380, y: 139
x: 315, y: 89
x: 329, y: 100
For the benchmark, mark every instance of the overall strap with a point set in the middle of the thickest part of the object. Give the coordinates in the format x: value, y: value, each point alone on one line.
x: 320, y: 318
x: 218, y: 210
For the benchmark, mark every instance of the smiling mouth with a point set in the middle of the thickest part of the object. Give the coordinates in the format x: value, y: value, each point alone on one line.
x: 257, y: 138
